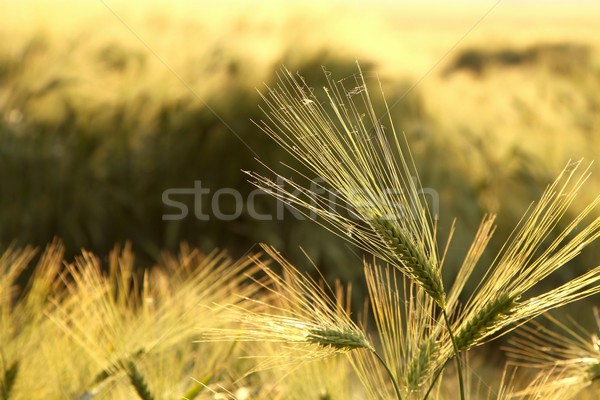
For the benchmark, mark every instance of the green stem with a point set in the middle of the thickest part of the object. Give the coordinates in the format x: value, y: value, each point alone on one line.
x: 435, y: 378
x: 457, y: 355
x: 396, y: 388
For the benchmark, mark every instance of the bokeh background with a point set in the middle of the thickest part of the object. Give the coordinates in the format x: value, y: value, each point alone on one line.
x: 106, y: 104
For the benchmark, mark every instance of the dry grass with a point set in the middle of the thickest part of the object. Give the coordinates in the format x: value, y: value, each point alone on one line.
x: 96, y: 328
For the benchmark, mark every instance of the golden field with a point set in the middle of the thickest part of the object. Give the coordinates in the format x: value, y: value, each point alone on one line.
x: 105, y: 105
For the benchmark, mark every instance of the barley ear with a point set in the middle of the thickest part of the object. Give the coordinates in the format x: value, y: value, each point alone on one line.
x: 415, y: 262
x: 117, y: 365
x: 343, y: 340
x: 484, y: 321
x: 594, y: 372
x: 139, y: 383
x: 8, y: 380
x: 420, y: 366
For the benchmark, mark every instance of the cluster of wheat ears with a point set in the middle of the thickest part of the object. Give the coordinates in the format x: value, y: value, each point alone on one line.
x: 154, y: 331
x: 420, y: 325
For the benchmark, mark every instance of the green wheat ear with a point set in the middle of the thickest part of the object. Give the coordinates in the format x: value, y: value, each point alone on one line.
x: 9, y: 379
x: 139, y: 383
x: 420, y: 366
x: 107, y: 373
x: 343, y: 340
x: 413, y: 259
x: 484, y: 321
x: 594, y: 372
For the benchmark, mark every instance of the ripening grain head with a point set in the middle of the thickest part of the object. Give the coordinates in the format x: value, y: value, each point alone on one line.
x: 307, y: 318
x: 404, y: 316
x: 525, y: 261
x: 567, y: 354
x: 379, y: 203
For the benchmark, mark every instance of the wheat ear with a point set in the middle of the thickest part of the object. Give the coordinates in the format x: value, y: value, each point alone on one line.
x: 419, y: 268
x: 484, y: 321
x: 139, y: 383
x: 420, y: 365
x: 349, y: 340
x: 568, y: 357
x: 594, y: 372
x: 8, y: 379
x: 343, y: 340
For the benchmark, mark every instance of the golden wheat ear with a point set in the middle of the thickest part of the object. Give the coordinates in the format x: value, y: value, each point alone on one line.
x: 551, y: 384
x: 309, y: 319
x: 371, y: 194
x: 499, y: 304
x: 111, y: 320
x: 565, y: 354
x: 408, y: 332
x: 293, y: 309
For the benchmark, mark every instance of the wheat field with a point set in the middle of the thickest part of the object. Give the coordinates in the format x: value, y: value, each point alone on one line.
x: 477, y: 278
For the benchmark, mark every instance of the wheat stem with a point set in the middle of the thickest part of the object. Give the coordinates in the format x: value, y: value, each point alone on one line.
x: 198, y: 387
x: 461, y: 383
x: 394, y: 382
x: 108, y: 372
x: 441, y: 369
x: 435, y: 378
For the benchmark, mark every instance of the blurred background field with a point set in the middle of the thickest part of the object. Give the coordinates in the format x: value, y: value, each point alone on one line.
x: 104, y: 105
